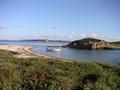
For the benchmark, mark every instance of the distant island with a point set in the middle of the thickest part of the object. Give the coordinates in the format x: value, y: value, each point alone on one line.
x: 94, y: 44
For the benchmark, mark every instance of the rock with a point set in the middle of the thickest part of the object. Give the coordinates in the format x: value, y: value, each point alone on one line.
x: 92, y: 44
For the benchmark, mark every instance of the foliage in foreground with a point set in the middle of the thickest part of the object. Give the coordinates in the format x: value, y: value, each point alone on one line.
x: 49, y: 74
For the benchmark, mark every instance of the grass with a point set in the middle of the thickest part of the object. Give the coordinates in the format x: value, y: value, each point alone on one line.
x: 115, y: 43
x: 54, y: 74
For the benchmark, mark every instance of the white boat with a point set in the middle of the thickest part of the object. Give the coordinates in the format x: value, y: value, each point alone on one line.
x: 54, y: 48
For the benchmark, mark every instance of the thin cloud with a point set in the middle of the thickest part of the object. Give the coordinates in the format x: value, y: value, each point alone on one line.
x: 83, y: 35
x: 3, y: 27
x: 7, y: 27
x: 17, y: 26
x: 93, y: 35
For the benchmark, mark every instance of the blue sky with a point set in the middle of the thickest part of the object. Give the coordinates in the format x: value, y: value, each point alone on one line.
x: 72, y: 19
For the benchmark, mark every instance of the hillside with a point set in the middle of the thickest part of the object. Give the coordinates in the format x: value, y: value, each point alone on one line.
x: 92, y: 43
x: 54, y: 74
x: 86, y: 40
x: 115, y: 43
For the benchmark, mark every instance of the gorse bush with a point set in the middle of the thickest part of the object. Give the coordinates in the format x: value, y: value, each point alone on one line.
x: 54, y: 74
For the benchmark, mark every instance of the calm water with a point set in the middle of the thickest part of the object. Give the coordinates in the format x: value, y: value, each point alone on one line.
x: 104, y: 56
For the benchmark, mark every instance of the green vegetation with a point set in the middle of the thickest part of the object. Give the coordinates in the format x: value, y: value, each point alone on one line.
x: 87, y: 40
x: 115, y: 43
x: 89, y: 43
x: 93, y: 43
x: 81, y: 42
x: 54, y: 74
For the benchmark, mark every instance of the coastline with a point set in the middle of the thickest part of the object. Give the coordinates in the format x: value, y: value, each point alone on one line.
x: 29, y: 50
x: 20, y: 51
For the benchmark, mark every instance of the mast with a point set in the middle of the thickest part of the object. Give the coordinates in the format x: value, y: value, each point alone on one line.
x: 53, y: 30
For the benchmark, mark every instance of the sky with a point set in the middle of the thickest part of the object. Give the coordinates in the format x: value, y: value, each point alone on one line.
x: 65, y: 19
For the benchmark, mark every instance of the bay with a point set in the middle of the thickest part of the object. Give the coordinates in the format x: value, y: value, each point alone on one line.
x: 102, y: 56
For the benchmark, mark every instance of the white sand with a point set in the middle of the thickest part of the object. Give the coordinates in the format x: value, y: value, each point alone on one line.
x: 21, y: 51
x: 24, y: 52
x: 14, y: 48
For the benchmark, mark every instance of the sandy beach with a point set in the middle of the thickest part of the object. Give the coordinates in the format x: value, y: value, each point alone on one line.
x: 21, y: 51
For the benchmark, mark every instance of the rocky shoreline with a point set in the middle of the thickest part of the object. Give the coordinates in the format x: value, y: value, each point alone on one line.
x: 92, y: 44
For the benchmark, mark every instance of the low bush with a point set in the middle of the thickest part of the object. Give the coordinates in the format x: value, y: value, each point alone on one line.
x: 55, y: 74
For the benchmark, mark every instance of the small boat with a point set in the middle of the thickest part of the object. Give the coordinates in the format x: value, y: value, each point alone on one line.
x: 54, y: 48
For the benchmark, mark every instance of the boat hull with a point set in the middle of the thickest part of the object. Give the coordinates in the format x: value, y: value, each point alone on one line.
x: 53, y: 49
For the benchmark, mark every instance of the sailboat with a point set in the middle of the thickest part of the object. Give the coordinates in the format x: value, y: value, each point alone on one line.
x: 56, y: 48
